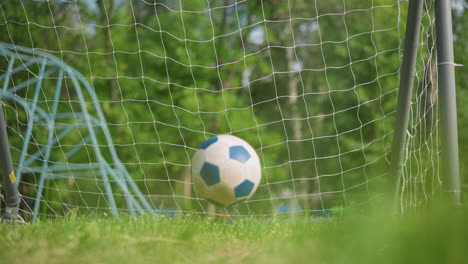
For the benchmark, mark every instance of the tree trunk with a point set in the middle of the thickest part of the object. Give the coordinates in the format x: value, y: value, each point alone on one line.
x: 297, y: 125
x: 106, y: 15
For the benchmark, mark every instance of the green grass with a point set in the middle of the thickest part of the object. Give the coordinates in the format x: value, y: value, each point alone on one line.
x: 432, y: 235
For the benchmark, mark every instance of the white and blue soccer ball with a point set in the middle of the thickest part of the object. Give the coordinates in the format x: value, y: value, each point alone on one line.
x: 225, y: 170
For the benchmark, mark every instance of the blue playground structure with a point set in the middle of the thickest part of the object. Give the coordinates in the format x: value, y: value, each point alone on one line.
x: 39, y: 73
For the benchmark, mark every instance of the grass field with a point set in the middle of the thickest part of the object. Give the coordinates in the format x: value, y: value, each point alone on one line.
x: 431, y: 235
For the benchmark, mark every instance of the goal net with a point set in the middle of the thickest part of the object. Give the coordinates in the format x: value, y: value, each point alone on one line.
x: 106, y: 102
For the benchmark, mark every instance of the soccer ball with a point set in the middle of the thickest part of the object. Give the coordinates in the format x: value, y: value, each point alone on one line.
x: 225, y: 170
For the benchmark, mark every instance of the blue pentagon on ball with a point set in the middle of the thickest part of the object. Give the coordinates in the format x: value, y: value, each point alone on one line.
x: 208, y: 142
x: 244, y: 189
x: 210, y: 173
x: 239, y: 153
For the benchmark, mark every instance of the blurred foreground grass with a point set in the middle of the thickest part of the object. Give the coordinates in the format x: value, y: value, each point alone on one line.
x: 436, y: 234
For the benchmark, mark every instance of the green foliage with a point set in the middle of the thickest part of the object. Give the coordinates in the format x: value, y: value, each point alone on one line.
x: 168, y: 80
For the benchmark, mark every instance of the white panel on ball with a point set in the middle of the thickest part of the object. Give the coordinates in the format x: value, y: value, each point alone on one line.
x: 217, y: 153
x: 233, y: 173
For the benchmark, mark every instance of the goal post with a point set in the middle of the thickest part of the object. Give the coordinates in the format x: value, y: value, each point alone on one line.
x: 405, y: 94
x: 446, y: 93
x: 448, y: 104
x: 12, y: 197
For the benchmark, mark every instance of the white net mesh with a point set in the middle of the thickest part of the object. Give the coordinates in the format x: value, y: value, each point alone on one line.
x: 420, y: 173
x: 311, y: 85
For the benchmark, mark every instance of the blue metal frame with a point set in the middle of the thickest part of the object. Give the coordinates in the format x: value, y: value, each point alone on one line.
x: 49, y: 65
